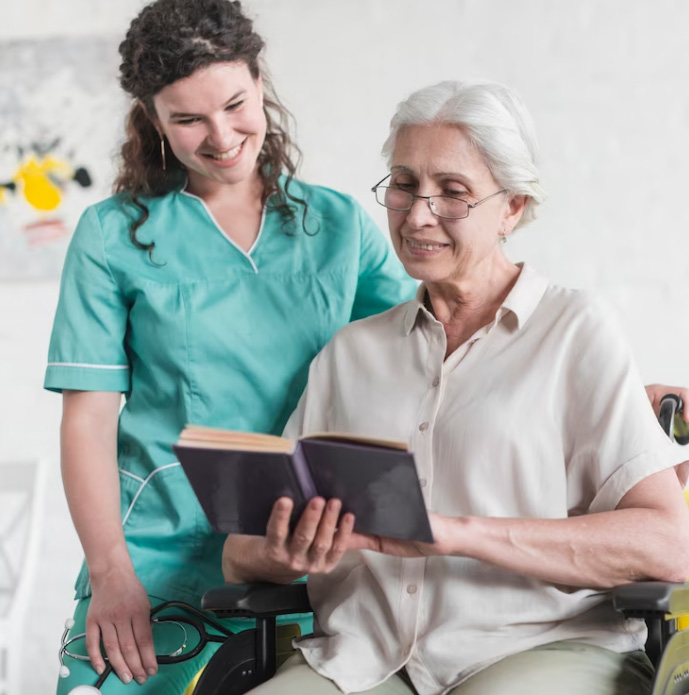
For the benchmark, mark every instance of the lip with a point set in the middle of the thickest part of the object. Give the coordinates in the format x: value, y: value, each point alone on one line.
x: 230, y: 161
x: 424, y: 247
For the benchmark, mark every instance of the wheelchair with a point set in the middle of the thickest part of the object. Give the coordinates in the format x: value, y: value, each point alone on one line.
x: 249, y: 658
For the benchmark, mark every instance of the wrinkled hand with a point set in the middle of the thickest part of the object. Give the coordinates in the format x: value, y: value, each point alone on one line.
x: 655, y: 393
x: 119, y: 615
x: 444, y: 529
x: 318, y: 541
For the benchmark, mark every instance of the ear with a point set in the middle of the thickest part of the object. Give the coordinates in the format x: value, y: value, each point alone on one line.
x: 513, y: 212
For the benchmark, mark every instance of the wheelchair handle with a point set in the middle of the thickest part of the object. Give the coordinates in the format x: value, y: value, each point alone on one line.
x: 671, y: 420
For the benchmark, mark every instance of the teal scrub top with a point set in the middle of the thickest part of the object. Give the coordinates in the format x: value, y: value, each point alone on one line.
x: 208, y: 334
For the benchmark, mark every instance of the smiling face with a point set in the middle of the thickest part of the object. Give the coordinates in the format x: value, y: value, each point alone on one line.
x: 439, y: 159
x: 215, y: 124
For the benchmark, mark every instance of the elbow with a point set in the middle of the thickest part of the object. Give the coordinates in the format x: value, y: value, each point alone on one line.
x: 673, y: 565
x: 678, y: 571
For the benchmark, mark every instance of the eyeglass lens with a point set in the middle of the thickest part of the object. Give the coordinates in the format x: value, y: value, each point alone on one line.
x: 443, y: 206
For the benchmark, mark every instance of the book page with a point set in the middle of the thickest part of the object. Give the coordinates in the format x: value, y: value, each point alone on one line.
x: 214, y: 438
x: 357, y: 439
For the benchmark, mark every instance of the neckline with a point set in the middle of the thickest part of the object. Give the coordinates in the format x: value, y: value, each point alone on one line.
x: 211, y: 216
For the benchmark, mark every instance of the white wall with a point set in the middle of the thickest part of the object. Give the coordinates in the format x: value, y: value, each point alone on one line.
x: 606, y: 83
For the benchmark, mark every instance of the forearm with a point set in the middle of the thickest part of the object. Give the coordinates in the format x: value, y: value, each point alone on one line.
x: 246, y: 559
x: 91, y: 480
x: 595, y: 550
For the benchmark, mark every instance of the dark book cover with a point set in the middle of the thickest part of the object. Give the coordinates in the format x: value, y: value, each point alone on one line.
x: 379, y: 485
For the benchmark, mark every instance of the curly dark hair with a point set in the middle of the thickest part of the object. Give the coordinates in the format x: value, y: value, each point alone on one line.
x: 170, y: 40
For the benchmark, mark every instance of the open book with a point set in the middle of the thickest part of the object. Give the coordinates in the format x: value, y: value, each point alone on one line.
x: 238, y: 476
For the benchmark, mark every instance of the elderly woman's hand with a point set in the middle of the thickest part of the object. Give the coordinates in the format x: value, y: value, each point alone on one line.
x: 444, y: 532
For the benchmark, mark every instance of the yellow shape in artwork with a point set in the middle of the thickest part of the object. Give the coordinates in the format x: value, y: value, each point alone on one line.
x: 38, y: 188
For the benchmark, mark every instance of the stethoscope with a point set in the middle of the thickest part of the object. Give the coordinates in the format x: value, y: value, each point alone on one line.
x: 193, y: 618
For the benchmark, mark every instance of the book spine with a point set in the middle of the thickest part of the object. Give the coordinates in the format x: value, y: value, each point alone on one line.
x: 301, y: 470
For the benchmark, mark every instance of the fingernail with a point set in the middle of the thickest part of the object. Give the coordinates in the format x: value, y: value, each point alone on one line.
x: 126, y: 678
x: 141, y: 680
x: 99, y: 669
x: 151, y: 671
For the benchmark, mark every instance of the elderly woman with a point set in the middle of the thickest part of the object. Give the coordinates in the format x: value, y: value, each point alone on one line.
x: 548, y: 477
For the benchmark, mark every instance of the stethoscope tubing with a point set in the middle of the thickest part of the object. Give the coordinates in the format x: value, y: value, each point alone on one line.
x: 194, y: 618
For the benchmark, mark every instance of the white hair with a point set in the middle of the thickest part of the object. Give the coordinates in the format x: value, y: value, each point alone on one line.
x: 496, y: 121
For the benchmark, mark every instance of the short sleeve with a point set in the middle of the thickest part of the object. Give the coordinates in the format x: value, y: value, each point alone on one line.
x: 86, y: 350
x: 615, y: 439
x: 383, y: 282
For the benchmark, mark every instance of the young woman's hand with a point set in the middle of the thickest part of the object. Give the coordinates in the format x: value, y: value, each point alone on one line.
x: 318, y: 542
x: 655, y: 393
x: 119, y: 617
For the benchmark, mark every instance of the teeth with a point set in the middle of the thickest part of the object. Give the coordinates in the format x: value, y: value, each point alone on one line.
x: 426, y: 247
x: 222, y: 156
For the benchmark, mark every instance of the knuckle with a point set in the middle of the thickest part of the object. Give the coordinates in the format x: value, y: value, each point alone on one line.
x: 118, y: 614
x: 128, y: 648
x: 145, y: 640
x: 274, y: 554
x: 321, y: 548
x: 296, y: 565
x: 111, y: 646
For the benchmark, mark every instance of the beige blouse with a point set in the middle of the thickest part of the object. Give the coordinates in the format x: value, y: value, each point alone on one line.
x: 540, y: 414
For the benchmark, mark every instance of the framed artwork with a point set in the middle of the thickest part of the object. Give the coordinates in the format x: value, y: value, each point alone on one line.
x: 61, y: 115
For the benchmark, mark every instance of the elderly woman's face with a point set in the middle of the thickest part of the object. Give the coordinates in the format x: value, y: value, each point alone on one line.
x: 439, y: 159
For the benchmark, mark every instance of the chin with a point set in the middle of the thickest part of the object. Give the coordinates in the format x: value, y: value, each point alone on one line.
x: 424, y: 271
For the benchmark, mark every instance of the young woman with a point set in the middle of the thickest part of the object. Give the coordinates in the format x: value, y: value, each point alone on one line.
x: 201, y: 291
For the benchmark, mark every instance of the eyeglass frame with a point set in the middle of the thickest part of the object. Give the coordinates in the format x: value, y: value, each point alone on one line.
x: 429, y: 200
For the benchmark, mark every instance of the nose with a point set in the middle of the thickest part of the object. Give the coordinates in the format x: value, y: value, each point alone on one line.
x: 220, y: 134
x: 420, y: 215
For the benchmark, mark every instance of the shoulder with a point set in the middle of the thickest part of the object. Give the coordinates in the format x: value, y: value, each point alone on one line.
x: 574, y: 309
x: 324, y: 201
x: 113, y: 216
x: 583, y: 329
x: 359, y: 340
x: 120, y: 209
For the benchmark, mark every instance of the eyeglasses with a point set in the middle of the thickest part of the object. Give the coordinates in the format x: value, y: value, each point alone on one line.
x: 444, y: 206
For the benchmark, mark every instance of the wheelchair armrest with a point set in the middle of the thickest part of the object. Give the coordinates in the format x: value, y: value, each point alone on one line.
x: 256, y: 600
x: 651, y: 599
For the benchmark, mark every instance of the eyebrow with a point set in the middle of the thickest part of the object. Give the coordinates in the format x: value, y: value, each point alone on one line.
x: 400, y: 168
x: 181, y: 114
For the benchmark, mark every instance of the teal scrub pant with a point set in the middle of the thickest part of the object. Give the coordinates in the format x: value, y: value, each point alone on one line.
x: 171, y: 679
x: 561, y: 668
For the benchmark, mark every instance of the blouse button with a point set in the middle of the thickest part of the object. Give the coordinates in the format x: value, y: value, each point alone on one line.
x: 423, y: 482
x: 436, y: 381
x: 423, y: 426
x: 411, y: 589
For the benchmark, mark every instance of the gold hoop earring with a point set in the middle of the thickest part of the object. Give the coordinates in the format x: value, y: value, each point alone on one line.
x: 162, y: 151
